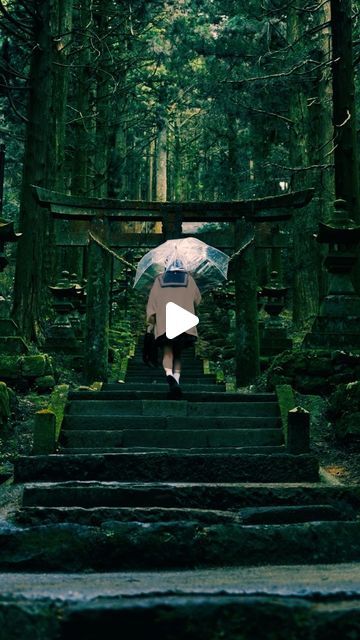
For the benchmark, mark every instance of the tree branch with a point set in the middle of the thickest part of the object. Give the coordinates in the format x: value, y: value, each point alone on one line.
x: 11, y: 101
x: 238, y: 83
x: 13, y: 20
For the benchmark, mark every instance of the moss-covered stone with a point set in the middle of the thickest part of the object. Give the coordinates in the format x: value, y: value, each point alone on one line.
x: 344, y: 411
x: 44, y: 432
x: 10, y: 367
x: 57, y: 404
x: 312, y: 371
x: 4, y: 404
x: 33, y: 366
x: 45, y: 383
x: 12, y: 345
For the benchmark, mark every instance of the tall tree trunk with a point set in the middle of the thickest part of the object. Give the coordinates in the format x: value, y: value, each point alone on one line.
x: 151, y: 153
x: 344, y: 110
x: 30, y: 294
x: 233, y: 159
x: 103, y: 100
x: 83, y: 90
x: 69, y: 258
x: 320, y: 137
x: 161, y: 162
x: 177, y: 178
x: 161, y: 158
x: 305, y: 286
x: 61, y: 28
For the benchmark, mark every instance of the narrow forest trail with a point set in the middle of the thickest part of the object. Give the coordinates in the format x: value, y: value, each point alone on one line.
x: 202, y: 486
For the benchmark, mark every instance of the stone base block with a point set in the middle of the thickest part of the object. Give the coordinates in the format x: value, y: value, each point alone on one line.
x: 12, y: 344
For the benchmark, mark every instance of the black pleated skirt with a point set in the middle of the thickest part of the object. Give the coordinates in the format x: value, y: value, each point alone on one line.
x: 182, y: 341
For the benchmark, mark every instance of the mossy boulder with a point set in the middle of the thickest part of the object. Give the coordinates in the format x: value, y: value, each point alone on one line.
x: 22, y: 371
x: 344, y: 411
x: 312, y: 371
x: 36, y: 365
x: 10, y: 367
x: 45, y: 384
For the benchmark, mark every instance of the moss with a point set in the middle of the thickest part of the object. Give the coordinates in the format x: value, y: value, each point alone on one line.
x: 312, y: 371
x: 286, y: 399
x: 4, y: 403
x: 10, y: 367
x: 33, y: 366
x: 57, y: 404
x: 344, y: 411
x: 44, y: 432
x: 45, y: 383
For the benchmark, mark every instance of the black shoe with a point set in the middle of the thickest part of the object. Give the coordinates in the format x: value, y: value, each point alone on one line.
x: 175, y: 392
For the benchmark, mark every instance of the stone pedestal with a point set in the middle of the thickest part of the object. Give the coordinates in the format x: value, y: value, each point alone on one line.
x: 337, y: 325
x: 274, y: 337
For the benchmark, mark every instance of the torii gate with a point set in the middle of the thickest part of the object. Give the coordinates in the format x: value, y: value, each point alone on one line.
x: 83, y: 219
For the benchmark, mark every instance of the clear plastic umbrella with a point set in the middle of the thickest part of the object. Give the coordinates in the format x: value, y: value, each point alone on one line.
x: 207, y: 265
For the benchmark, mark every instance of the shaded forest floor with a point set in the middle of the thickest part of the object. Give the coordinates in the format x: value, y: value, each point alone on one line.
x: 340, y: 460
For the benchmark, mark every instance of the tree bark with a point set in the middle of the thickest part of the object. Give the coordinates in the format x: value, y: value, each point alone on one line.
x: 247, y: 362
x: 97, y: 308
x: 305, y: 285
x: 103, y: 100
x: 83, y: 91
x: 344, y: 109
x: 161, y: 162
x: 43, y: 156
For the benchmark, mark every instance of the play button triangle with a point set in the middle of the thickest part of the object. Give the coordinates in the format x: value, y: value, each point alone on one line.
x: 178, y: 320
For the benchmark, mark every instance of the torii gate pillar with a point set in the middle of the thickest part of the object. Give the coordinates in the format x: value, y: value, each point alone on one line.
x: 97, y: 306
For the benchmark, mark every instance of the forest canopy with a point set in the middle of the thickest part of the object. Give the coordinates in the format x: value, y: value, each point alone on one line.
x: 186, y: 100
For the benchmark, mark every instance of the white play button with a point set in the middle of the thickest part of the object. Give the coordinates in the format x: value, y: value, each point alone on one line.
x: 178, y: 320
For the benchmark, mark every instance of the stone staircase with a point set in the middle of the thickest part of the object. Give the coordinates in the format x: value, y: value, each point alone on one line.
x: 141, y: 481
x: 185, y: 519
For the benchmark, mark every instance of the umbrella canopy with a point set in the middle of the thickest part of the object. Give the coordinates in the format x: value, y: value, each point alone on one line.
x: 207, y: 265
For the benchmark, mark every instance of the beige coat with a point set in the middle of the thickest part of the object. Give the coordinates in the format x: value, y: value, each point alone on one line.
x: 186, y: 297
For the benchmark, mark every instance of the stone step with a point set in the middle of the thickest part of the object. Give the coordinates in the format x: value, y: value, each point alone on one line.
x: 168, y: 466
x: 143, y: 449
x: 139, y: 387
x: 216, y: 407
x: 111, y: 423
x: 255, y: 515
x: 173, y: 438
x: 159, y: 545
x: 185, y: 371
x: 217, y: 395
x: 220, y: 495
x: 187, y: 364
x: 80, y: 605
x: 190, y: 379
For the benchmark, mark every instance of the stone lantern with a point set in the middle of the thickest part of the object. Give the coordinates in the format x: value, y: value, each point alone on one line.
x: 79, y: 304
x: 338, y: 322
x: 273, y: 338
x: 62, y: 336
